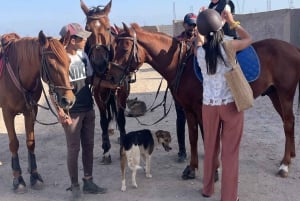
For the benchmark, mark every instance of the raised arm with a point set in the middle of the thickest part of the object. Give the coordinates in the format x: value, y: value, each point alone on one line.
x: 245, y: 38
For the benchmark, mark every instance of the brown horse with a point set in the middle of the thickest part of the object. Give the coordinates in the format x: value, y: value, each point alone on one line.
x: 100, y: 49
x: 279, y: 77
x: 25, y: 62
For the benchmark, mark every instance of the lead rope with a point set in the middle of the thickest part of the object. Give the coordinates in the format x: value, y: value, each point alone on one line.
x: 47, y: 108
x: 166, y: 112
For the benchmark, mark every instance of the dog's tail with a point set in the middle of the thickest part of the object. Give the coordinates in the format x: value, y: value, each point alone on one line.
x: 133, y: 157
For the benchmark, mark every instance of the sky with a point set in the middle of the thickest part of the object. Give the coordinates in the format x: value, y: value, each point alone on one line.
x: 28, y: 17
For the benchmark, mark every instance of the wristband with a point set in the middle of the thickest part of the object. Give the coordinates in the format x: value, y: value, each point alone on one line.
x: 235, y: 25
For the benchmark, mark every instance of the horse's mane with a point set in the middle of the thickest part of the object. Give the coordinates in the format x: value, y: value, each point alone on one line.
x: 29, y: 47
x: 23, y: 49
x: 58, y: 50
x: 136, y: 27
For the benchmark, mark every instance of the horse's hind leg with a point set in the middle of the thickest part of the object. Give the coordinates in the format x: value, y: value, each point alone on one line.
x: 36, y: 180
x: 284, y: 106
x: 189, y: 171
x: 18, y: 181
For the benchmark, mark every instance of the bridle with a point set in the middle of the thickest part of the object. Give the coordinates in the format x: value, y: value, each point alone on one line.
x: 133, y: 57
x: 46, y: 76
x: 99, y: 45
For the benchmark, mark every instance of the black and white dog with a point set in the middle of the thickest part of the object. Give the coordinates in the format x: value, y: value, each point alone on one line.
x: 141, y: 143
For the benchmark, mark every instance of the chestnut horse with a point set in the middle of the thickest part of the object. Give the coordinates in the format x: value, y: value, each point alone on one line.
x: 100, y: 49
x: 278, y: 79
x: 25, y: 61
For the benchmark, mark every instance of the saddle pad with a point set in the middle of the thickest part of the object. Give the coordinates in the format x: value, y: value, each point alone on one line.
x: 248, y: 61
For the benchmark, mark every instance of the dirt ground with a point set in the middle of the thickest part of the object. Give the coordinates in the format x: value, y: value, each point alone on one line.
x: 261, y: 151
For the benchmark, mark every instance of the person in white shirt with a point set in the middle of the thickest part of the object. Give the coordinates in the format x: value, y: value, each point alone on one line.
x: 222, y: 123
x: 81, y: 129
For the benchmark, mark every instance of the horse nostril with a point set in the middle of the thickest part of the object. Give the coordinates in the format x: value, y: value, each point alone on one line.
x: 67, y: 103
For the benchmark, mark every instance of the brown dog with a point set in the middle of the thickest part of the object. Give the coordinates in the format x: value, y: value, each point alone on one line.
x: 141, y: 143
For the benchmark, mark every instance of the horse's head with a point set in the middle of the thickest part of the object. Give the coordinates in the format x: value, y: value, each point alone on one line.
x: 55, y: 70
x: 6, y: 38
x: 100, y: 45
x: 129, y: 55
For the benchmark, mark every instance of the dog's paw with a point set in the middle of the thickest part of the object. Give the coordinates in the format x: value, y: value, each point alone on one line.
x: 149, y: 175
x: 123, y: 189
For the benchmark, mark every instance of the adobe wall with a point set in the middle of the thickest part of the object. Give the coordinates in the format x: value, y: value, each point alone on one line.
x: 281, y: 24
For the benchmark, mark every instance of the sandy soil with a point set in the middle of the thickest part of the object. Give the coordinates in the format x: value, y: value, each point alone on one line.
x: 261, y: 151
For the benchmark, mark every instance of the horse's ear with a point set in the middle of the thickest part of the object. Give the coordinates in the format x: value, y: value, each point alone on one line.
x: 43, y: 39
x: 118, y: 29
x: 107, y: 8
x: 125, y: 27
x: 84, y: 7
x: 17, y: 36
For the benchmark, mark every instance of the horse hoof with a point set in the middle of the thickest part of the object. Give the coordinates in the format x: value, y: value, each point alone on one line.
x: 188, y: 173
x: 283, y: 173
x: 283, y: 170
x: 36, y: 181
x: 19, y: 185
x: 106, y: 160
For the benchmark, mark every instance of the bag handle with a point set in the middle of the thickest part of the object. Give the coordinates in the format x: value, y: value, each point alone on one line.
x: 230, y: 53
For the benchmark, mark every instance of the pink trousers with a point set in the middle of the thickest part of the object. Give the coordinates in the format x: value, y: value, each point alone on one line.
x: 223, y: 126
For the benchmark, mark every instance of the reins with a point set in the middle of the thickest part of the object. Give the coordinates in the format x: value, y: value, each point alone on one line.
x: 27, y: 94
x: 182, y: 61
x: 133, y: 55
x: 166, y: 111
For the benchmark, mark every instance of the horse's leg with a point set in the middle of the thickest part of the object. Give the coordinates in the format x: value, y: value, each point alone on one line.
x: 104, y: 122
x: 284, y: 106
x: 18, y: 181
x: 121, y: 123
x: 189, y: 171
x: 122, y: 95
x: 36, y: 180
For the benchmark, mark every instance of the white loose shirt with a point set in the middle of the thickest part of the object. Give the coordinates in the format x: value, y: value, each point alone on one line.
x: 215, y: 88
x: 78, y: 69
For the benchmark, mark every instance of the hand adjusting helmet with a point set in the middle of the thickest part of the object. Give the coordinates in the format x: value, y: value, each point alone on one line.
x: 208, y: 22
